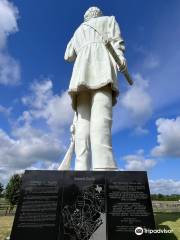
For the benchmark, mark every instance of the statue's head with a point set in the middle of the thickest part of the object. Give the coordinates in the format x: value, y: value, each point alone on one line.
x: 92, y: 12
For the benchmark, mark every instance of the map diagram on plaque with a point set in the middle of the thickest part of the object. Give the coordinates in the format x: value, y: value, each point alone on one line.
x: 86, y: 216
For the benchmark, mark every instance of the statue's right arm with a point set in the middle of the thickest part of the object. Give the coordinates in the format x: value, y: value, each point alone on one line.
x: 70, y: 53
x: 117, y: 40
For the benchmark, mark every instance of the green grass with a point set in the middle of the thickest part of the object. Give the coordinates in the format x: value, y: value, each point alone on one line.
x: 5, y: 226
x: 163, y: 220
x: 168, y: 221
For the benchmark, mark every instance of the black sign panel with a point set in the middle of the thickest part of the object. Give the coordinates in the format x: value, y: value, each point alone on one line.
x: 83, y: 205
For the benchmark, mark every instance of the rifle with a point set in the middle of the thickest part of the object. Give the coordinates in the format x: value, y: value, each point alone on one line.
x: 66, y: 162
x: 117, y: 60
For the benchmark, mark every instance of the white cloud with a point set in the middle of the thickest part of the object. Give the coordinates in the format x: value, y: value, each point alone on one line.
x: 141, y: 131
x: 138, y: 162
x: 9, y: 67
x: 5, y: 110
x: 8, y: 21
x: 151, y: 61
x: 168, y: 138
x: 137, y: 101
x: 55, y: 110
x: 41, y: 92
x: 9, y: 70
x: 39, y: 136
x: 164, y: 186
x: 134, y: 107
x: 27, y: 146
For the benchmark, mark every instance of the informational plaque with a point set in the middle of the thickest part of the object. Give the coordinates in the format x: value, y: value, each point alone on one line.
x: 83, y: 205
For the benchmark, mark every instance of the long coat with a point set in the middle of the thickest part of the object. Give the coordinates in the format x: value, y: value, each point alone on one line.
x: 94, y: 67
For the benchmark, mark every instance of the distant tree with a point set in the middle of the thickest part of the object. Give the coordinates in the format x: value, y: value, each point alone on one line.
x: 1, y: 189
x: 160, y: 197
x: 12, y: 192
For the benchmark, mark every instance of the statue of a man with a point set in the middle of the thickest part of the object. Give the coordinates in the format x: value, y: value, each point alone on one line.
x: 93, y: 88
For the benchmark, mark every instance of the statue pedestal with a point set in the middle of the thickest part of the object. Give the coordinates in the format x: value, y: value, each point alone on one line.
x: 83, y: 205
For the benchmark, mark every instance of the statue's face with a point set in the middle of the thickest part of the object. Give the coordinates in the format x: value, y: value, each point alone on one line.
x: 92, y: 12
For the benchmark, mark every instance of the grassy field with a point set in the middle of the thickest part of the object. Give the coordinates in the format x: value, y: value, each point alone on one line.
x: 163, y: 220
x: 5, y: 221
x: 5, y: 226
x: 168, y: 221
x: 3, y: 207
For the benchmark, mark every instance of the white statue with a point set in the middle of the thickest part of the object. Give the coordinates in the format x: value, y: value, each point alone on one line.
x: 94, y: 88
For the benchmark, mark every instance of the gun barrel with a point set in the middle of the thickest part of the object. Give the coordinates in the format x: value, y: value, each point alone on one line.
x: 128, y: 77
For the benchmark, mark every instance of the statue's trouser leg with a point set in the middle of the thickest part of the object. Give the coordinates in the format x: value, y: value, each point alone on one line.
x: 82, y: 132
x: 100, y: 130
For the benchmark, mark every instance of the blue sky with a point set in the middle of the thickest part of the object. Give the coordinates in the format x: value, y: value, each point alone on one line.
x: 35, y: 112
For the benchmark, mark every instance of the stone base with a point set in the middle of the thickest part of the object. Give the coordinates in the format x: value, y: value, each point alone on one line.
x: 83, y: 205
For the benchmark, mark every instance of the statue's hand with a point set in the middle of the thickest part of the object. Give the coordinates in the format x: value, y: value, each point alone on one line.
x: 123, y: 66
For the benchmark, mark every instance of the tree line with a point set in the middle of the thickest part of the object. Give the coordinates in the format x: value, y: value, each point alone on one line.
x: 161, y: 197
x: 12, y: 193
